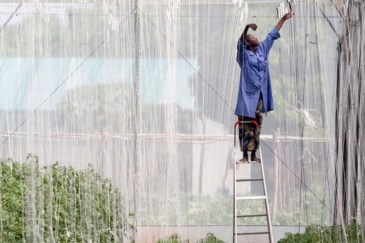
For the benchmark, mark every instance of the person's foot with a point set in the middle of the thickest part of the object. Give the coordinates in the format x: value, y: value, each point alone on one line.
x: 244, y: 160
x: 254, y: 158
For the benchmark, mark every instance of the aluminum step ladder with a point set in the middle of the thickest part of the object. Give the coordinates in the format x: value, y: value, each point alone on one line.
x: 245, y: 180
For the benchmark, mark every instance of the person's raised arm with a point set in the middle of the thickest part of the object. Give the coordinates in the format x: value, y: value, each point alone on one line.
x: 283, y: 19
x: 242, y: 46
x: 243, y: 36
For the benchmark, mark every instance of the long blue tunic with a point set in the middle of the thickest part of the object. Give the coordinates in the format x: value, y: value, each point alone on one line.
x: 255, y: 77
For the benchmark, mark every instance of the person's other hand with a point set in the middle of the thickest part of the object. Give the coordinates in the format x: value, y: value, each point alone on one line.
x: 288, y: 16
x: 252, y: 26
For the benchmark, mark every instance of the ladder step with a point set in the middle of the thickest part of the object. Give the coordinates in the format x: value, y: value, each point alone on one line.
x: 252, y: 215
x: 254, y: 233
x: 251, y: 198
x: 252, y: 179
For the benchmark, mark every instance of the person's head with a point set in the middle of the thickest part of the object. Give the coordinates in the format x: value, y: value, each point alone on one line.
x: 252, y: 41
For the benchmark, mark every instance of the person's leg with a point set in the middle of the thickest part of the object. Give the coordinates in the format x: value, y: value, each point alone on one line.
x: 244, y: 137
x: 259, y: 119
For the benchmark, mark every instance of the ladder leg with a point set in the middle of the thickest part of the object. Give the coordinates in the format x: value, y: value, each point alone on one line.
x: 269, y: 226
x: 234, y: 189
x: 234, y: 202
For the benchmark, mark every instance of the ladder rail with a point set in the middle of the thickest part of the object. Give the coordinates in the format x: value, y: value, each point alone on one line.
x: 235, y: 179
x: 234, y: 185
x: 235, y: 198
x: 266, y: 201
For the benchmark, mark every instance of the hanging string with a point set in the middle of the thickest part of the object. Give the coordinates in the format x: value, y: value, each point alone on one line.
x: 57, y: 88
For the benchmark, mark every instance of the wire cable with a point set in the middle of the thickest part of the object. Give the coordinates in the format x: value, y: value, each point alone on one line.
x: 12, y: 15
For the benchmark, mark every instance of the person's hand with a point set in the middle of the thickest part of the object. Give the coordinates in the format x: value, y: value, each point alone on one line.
x: 288, y: 16
x: 252, y: 26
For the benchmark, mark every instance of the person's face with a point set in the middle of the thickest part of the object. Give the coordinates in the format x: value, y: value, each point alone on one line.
x: 251, y: 40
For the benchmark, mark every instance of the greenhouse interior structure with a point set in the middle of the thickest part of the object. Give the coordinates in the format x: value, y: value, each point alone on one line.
x: 118, y: 122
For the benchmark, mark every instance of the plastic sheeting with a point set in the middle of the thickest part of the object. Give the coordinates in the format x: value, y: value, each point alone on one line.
x: 144, y: 91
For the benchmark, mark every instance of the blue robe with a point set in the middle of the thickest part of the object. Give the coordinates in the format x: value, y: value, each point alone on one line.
x: 255, y: 77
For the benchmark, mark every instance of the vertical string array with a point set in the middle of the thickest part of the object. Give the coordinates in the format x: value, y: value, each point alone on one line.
x: 141, y: 94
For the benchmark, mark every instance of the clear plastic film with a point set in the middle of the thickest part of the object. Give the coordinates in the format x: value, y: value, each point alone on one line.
x: 142, y: 93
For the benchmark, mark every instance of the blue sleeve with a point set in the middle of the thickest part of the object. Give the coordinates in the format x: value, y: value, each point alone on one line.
x: 241, y: 47
x: 269, y: 41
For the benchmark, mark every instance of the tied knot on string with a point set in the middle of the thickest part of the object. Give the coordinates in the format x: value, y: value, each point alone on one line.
x: 114, y: 25
x: 171, y: 9
x: 63, y: 16
x: 42, y: 10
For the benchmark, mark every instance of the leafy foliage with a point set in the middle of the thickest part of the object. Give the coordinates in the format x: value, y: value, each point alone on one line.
x: 58, y: 204
x: 175, y: 238
x: 333, y: 234
x: 210, y: 238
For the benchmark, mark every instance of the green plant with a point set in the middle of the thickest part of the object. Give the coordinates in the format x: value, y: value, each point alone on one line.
x: 210, y: 238
x: 58, y: 204
x: 333, y: 234
x: 175, y: 238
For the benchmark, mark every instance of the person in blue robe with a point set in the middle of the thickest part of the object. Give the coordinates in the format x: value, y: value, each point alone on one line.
x: 254, y: 92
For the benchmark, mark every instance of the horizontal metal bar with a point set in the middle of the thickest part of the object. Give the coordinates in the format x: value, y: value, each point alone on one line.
x: 252, y: 215
x: 254, y: 233
x: 251, y: 198
x: 252, y: 179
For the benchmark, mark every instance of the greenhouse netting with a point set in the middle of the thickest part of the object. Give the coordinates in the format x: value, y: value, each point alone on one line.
x: 117, y: 120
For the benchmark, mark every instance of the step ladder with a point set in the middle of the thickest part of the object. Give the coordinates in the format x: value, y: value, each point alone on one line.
x: 245, y: 180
